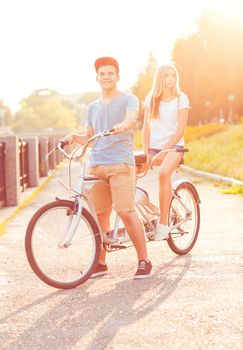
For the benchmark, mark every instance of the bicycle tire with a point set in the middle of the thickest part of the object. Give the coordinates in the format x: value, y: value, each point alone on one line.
x: 181, y: 241
x: 50, y: 262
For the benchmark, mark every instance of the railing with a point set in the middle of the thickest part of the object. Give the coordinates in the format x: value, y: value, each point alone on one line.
x: 2, y: 175
x: 23, y: 164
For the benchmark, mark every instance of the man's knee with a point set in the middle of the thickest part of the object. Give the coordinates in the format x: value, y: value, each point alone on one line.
x: 104, y: 215
x: 127, y: 216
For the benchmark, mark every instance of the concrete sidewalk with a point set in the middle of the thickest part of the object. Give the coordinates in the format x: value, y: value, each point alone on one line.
x: 189, y: 302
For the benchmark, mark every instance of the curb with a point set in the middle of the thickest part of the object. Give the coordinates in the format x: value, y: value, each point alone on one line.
x: 16, y: 209
x: 213, y: 177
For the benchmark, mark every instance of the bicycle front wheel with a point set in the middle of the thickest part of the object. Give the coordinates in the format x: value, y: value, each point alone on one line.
x: 184, y: 215
x: 54, y: 264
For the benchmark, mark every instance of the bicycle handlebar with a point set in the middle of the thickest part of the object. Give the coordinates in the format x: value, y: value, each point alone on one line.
x: 105, y: 133
x: 64, y: 143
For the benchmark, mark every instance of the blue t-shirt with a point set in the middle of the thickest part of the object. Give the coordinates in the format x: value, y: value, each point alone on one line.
x: 115, y: 149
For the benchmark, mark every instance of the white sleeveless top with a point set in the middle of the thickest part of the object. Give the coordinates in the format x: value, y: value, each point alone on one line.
x: 165, y: 127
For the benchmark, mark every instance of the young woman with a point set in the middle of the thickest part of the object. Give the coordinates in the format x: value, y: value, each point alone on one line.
x: 165, y: 119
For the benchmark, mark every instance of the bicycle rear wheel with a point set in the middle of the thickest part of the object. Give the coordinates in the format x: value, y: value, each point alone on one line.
x: 184, y: 208
x: 57, y: 266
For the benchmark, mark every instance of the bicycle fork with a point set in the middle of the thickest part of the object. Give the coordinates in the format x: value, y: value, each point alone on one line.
x: 71, y: 224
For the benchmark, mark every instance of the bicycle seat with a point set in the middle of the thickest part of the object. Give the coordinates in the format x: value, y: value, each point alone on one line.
x: 140, y: 157
x: 140, y: 160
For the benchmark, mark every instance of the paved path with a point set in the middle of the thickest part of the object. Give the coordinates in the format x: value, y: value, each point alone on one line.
x: 190, y: 302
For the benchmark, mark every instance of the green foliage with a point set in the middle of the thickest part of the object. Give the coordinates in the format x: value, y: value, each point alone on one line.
x: 144, y: 81
x: 45, y: 109
x: 233, y: 189
x: 5, y: 114
x: 138, y: 142
x: 88, y: 97
x: 196, y: 132
x: 221, y: 153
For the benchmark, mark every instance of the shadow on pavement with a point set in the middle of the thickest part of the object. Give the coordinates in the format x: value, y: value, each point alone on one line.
x: 94, y: 318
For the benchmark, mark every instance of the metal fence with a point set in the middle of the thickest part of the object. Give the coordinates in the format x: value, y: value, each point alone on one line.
x: 23, y: 164
x: 2, y: 175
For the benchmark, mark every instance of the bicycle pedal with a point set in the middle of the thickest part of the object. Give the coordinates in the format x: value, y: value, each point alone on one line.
x: 117, y: 246
x: 150, y: 235
x: 120, y: 233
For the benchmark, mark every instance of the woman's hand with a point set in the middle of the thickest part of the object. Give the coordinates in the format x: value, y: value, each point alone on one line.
x: 157, y: 160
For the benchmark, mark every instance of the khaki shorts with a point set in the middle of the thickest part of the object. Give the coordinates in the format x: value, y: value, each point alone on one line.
x: 119, y: 188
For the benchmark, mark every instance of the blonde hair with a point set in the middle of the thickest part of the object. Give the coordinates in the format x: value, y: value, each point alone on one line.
x: 158, y: 87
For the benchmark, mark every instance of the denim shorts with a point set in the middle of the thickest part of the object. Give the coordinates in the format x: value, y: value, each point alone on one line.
x: 154, y: 151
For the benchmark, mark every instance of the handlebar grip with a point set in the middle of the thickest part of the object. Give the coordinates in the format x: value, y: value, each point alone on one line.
x: 108, y: 132
x: 182, y: 150
x: 63, y: 143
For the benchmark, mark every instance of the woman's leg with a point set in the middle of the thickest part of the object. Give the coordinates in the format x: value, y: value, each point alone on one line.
x: 104, y: 221
x: 166, y: 169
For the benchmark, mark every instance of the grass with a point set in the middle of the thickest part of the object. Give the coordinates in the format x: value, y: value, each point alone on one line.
x: 221, y: 153
x: 197, y: 132
x: 233, y: 190
x: 213, y: 148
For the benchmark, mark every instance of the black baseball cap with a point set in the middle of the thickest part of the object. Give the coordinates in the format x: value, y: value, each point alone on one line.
x: 106, y: 61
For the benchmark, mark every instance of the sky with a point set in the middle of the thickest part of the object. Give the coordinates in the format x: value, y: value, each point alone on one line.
x: 54, y: 43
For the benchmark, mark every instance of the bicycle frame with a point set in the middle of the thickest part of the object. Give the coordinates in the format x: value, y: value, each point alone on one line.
x: 82, y: 198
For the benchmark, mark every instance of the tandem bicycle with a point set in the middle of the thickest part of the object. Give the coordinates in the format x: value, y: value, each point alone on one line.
x: 63, y: 238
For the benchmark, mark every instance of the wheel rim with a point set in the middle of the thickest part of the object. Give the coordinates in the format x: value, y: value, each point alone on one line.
x: 62, y: 265
x: 184, y: 236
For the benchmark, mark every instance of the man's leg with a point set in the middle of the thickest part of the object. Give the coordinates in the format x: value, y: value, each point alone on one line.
x: 104, y: 221
x: 134, y: 227
x: 101, y: 199
x: 135, y: 230
x: 123, y: 186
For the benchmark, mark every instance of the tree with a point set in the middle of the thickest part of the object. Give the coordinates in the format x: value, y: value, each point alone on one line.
x: 211, y: 68
x: 45, y: 109
x: 88, y: 97
x: 5, y: 115
x: 144, y: 82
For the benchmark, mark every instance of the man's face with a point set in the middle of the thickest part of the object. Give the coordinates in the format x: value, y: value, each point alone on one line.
x: 107, y: 77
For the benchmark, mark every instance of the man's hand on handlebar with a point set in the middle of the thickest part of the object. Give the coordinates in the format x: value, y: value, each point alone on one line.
x: 120, y: 128
x: 70, y: 138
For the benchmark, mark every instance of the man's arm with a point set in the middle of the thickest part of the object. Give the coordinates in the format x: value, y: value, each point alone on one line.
x: 128, y: 123
x: 80, y: 138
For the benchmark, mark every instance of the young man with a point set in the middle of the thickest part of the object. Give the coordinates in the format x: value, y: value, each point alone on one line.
x: 112, y: 159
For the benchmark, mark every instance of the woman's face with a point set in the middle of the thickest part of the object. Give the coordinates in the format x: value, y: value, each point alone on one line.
x: 170, y: 78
